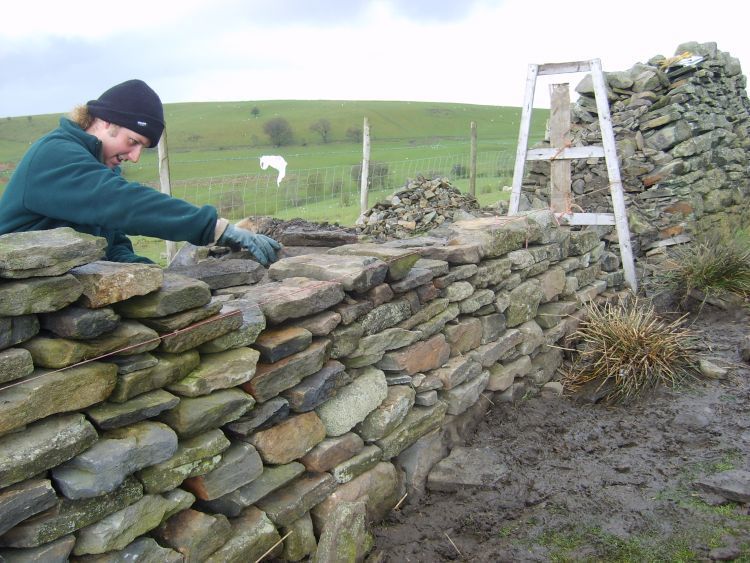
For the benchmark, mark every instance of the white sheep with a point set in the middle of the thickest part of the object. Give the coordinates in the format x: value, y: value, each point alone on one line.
x: 277, y: 162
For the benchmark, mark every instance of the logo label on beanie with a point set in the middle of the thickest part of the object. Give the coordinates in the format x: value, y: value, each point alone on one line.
x: 142, y: 123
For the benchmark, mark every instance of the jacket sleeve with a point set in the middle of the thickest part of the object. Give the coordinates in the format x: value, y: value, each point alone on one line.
x: 66, y: 182
x: 120, y: 249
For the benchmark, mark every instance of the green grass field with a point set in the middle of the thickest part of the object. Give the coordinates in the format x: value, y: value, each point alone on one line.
x: 214, y: 151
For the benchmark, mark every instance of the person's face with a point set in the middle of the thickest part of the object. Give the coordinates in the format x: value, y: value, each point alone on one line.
x: 120, y: 144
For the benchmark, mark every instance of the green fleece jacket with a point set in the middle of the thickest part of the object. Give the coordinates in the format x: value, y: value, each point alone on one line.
x: 61, y: 182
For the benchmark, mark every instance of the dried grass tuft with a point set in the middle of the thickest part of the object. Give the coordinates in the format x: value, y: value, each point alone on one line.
x: 715, y: 267
x: 627, y: 350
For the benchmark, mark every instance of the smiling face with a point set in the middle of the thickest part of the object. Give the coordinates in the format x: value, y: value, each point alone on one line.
x: 118, y: 143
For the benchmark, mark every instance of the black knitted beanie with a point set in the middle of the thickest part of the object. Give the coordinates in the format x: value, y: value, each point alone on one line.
x: 133, y: 105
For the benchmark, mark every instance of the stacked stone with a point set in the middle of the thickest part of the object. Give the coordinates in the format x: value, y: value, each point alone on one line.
x: 683, y: 132
x: 208, y: 414
x: 423, y: 204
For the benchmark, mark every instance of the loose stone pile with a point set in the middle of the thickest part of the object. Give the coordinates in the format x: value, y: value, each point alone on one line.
x: 683, y: 134
x: 202, y: 413
x: 423, y: 204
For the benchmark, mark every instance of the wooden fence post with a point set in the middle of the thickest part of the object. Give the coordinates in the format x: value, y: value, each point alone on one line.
x: 165, y: 184
x: 365, y: 166
x: 473, y: 160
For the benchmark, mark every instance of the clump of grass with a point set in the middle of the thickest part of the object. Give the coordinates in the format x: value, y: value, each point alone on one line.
x: 626, y: 350
x: 714, y: 267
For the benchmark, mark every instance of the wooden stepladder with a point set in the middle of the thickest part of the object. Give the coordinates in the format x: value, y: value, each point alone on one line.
x: 561, y: 153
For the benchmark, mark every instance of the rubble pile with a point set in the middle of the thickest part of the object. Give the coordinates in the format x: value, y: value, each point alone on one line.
x: 423, y: 204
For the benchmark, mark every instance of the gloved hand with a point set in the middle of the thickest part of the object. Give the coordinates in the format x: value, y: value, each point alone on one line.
x: 262, y: 247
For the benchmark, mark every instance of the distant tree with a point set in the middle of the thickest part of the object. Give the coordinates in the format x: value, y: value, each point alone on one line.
x: 323, y: 128
x: 279, y: 131
x: 255, y: 112
x: 354, y: 134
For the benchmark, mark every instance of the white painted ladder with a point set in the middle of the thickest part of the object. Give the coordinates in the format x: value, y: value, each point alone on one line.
x: 560, y: 154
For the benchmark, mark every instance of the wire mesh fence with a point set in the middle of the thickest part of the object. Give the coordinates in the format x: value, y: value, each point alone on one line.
x: 333, y: 193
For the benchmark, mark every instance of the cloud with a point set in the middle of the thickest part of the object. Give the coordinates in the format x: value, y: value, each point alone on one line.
x: 476, y: 51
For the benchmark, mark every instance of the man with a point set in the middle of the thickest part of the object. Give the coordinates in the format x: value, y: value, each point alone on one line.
x: 71, y: 178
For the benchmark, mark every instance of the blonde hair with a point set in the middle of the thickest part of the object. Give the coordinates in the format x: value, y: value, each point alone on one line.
x: 82, y: 116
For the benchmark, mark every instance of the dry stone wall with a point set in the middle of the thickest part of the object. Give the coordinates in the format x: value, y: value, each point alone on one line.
x: 682, y: 127
x: 205, y: 412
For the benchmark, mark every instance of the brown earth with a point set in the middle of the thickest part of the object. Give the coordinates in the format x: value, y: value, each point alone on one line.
x: 588, y: 482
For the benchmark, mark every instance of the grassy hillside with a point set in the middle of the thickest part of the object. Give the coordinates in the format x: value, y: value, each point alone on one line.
x: 215, y: 138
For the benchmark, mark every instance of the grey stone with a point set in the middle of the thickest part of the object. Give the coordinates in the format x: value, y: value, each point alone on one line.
x: 263, y: 415
x: 142, y: 549
x: 286, y: 505
x: 355, y: 273
x: 105, y: 282
x: 388, y: 414
x: 194, y: 456
x: 385, y: 316
x: 130, y: 336
x: 272, y: 478
x: 218, y: 371
x: 105, y: 465
x: 218, y: 274
x: 177, y: 293
x: 115, y: 415
x: 43, y: 445
x: 45, y: 393
x: 15, y: 363
x: 252, y: 537
x: 240, y: 464
x: 278, y: 343
x: 399, y: 261
x: 120, y: 528
x: 415, y: 278
x: 346, y: 535
x: 200, y: 333
x: 47, y: 253
x: 300, y: 539
x: 418, y: 422
x: 253, y: 323
x: 524, y: 301
x: 17, y: 329
x: 128, y: 364
x: 272, y: 379
x: 466, y: 394
x: 53, y: 552
x: 71, y: 515
x: 22, y: 500
x: 353, y: 402
x: 183, y: 319
x: 468, y: 468
x: 38, y: 295
x: 293, y: 298
x: 170, y: 367
x: 195, y: 415
x: 733, y: 485
x: 316, y: 389
x: 360, y: 462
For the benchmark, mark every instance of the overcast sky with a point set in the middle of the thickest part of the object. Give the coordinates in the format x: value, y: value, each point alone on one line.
x: 56, y: 54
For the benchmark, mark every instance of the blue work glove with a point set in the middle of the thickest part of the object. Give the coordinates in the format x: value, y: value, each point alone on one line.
x: 262, y: 247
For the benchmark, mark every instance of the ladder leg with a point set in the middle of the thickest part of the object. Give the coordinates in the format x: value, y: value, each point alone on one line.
x: 523, y: 139
x: 613, y: 169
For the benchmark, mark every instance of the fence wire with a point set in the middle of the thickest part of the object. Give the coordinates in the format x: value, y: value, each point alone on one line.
x: 333, y: 193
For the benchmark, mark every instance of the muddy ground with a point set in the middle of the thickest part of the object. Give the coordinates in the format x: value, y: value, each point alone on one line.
x: 587, y: 482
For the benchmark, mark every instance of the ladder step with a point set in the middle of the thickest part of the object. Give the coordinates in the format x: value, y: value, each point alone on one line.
x: 564, y: 68
x: 588, y: 218
x: 566, y: 153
